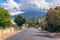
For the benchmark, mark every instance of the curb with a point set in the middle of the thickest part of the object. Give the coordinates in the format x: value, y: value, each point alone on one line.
x: 10, y: 34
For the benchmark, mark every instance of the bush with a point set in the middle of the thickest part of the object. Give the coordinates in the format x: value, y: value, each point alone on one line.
x: 43, y: 24
x: 4, y: 18
x: 19, y: 20
x: 53, y: 19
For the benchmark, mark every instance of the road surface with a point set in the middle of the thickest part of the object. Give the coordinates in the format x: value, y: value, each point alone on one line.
x: 31, y: 34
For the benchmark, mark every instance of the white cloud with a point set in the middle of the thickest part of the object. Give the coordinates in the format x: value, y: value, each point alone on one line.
x: 57, y: 2
x: 15, y: 13
x: 28, y: 5
x: 54, y: 3
x: 12, y: 6
x: 34, y: 4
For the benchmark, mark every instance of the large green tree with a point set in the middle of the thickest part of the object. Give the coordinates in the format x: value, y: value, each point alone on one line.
x: 19, y: 20
x: 53, y: 19
x: 4, y: 18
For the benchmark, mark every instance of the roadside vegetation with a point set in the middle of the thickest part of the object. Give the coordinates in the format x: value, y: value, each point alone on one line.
x: 19, y: 20
x: 5, y: 21
x: 32, y: 22
x: 50, y: 23
x: 52, y: 20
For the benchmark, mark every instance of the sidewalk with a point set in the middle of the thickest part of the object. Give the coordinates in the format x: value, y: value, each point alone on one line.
x: 4, y: 36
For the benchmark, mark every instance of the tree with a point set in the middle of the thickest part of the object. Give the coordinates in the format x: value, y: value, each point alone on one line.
x: 4, y: 18
x: 53, y: 19
x: 37, y: 23
x: 32, y: 22
x: 19, y: 20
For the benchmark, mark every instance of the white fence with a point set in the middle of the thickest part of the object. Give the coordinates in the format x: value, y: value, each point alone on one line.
x: 10, y: 30
x: 4, y: 31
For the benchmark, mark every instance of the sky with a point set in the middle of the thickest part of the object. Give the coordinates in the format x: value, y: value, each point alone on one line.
x: 20, y: 6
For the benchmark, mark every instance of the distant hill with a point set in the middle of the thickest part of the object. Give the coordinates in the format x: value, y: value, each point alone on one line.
x: 30, y: 14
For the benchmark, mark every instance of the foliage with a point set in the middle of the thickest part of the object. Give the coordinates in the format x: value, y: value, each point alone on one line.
x: 4, y: 18
x: 19, y: 20
x: 53, y: 19
x: 32, y: 22
x: 37, y: 23
x: 43, y: 23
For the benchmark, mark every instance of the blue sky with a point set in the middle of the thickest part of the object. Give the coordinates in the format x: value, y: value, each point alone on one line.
x: 16, y: 6
x: 18, y: 1
x: 49, y: 0
x: 2, y: 1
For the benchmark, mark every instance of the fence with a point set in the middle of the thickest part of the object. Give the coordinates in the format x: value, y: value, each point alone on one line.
x: 4, y: 31
x: 9, y: 30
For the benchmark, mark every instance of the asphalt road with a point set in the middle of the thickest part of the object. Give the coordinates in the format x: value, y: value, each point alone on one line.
x: 31, y: 34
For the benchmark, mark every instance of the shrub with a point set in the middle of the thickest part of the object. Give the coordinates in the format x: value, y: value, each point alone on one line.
x: 53, y: 19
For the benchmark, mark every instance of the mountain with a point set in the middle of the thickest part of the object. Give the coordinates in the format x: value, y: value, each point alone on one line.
x: 30, y: 14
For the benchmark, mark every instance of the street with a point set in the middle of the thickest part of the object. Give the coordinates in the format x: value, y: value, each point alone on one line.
x: 31, y: 34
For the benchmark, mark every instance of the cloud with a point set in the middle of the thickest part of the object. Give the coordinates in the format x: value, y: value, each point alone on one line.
x: 12, y: 6
x: 28, y: 5
x: 15, y: 13
x: 34, y: 4
x: 54, y: 3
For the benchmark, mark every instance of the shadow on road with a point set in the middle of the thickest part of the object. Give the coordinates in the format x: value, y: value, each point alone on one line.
x: 43, y: 34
